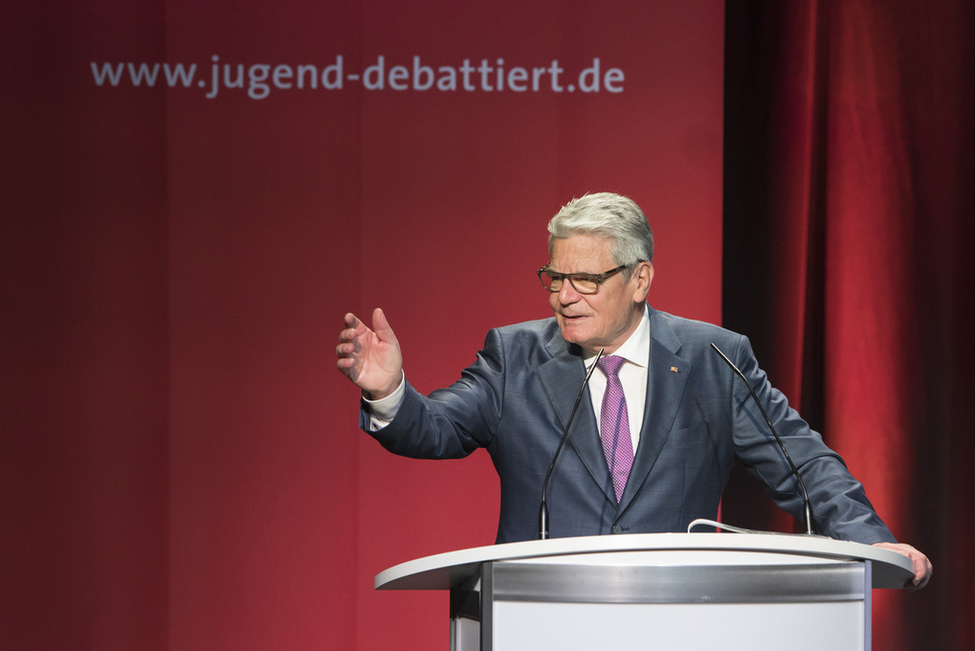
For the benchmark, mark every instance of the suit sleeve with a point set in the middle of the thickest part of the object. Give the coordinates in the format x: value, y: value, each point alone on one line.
x: 840, y: 506
x: 452, y: 422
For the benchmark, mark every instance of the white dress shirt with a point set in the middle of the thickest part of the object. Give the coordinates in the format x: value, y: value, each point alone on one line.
x: 633, y: 377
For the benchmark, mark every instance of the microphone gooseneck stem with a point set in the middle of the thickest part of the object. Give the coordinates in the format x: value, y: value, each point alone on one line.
x: 543, y: 508
x: 768, y: 421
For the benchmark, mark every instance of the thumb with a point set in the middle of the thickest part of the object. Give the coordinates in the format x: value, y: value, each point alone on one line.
x: 381, y: 326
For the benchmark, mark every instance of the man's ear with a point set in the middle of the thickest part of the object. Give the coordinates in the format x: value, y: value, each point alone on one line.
x: 643, y: 274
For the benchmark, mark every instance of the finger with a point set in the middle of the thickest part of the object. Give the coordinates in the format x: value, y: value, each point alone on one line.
x: 347, y: 365
x: 923, y: 572
x: 922, y: 569
x: 381, y: 326
x: 348, y: 336
x: 355, y: 324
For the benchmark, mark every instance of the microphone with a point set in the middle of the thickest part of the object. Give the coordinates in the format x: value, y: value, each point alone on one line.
x: 795, y: 471
x: 543, y: 509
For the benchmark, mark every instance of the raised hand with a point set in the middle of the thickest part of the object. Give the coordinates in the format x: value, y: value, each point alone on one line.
x: 370, y: 358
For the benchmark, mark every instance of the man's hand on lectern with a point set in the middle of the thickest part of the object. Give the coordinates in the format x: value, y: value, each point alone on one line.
x: 922, y: 566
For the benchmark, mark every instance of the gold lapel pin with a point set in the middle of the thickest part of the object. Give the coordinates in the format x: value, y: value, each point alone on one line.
x: 674, y: 369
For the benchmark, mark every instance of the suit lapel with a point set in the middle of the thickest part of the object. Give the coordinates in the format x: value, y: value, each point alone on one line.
x: 561, y: 377
x: 667, y: 375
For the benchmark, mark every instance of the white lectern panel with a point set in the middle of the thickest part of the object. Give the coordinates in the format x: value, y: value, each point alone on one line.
x: 705, y: 627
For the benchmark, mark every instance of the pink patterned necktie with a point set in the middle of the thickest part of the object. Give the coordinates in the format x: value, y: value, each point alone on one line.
x: 614, y: 428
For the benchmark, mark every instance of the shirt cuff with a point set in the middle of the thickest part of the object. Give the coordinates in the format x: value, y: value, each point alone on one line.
x: 382, y: 412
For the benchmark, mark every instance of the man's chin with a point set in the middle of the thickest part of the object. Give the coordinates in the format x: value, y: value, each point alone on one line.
x: 574, y: 335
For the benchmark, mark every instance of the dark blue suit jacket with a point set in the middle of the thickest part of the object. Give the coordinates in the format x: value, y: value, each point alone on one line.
x: 515, y: 399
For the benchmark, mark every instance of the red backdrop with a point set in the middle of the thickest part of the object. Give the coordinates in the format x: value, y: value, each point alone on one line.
x: 180, y: 462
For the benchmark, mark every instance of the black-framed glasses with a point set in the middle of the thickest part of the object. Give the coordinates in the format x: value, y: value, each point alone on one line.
x: 582, y: 283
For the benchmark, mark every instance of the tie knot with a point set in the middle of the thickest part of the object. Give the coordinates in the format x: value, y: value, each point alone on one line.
x: 610, y: 365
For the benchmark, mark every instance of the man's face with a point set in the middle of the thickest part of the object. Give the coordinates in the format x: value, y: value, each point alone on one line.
x: 607, y: 318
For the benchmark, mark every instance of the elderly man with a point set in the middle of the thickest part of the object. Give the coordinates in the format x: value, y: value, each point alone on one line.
x: 665, y: 418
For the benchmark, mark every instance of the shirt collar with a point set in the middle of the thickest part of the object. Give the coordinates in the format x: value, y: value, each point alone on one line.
x: 636, y: 349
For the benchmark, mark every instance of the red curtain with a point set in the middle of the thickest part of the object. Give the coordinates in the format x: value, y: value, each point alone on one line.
x: 848, y: 224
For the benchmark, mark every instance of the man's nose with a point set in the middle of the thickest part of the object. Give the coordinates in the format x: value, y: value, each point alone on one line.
x: 568, y: 293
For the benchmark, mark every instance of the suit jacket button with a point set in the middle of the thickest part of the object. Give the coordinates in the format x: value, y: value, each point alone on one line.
x: 617, y: 529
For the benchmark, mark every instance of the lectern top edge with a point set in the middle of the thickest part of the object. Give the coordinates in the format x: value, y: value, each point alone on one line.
x: 450, y: 569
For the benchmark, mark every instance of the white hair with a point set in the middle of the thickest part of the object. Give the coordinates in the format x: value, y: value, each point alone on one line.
x: 607, y: 215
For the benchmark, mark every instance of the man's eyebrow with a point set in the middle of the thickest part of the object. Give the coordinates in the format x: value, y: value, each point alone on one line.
x: 574, y: 273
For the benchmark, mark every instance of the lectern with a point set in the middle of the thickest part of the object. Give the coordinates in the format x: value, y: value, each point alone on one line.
x: 659, y: 591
